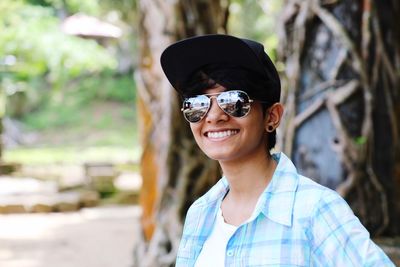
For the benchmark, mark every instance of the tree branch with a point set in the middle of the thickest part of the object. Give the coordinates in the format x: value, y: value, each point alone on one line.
x: 337, y: 29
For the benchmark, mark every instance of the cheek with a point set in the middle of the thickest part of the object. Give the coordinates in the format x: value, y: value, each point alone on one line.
x: 196, y: 131
x: 193, y: 128
x: 256, y: 126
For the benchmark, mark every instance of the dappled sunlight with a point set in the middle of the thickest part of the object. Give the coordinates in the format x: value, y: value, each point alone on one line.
x: 19, y: 262
x: 34, y: 226
x: 70, y: 137
x: 8, y: 255
x: 90, y: 237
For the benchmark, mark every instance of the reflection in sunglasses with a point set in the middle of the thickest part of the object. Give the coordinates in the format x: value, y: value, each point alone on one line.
x: 234, y: 103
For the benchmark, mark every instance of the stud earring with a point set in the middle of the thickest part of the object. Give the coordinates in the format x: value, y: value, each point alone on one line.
x: 270, y: 128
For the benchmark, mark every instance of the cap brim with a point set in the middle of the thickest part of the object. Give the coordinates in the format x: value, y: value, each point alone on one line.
x: 181, y: 59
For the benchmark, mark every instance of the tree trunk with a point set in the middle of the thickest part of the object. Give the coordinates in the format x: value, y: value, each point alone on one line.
x: 174, y: 171
x: 342, y: 90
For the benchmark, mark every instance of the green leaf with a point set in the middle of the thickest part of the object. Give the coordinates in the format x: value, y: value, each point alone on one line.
x: 361, y: 140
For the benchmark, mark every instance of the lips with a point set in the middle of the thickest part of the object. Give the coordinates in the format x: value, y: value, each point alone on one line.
x: 220, y: 134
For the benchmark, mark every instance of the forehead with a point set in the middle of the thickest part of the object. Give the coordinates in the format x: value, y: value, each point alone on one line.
x: 215, y: 89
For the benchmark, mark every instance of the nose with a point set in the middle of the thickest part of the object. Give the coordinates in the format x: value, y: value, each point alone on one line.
x: 215, y: 113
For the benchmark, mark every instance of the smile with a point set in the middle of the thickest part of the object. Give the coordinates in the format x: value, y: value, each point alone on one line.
x: 221, y: 134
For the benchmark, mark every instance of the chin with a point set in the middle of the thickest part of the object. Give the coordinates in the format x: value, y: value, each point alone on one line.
x: 213, y: 156
x: 219, y: 156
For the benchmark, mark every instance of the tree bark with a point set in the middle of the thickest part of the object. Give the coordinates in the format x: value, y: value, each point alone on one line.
x: 174, y: 171
x: 342, y: 89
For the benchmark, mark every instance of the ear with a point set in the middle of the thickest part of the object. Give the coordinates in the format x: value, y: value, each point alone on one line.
x: 273, y: 117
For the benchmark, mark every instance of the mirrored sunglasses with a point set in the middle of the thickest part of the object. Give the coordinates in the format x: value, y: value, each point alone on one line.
x: 235, y: 103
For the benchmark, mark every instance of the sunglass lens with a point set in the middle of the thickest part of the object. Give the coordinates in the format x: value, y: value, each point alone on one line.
x: 194, y: 108
x: 234, y: 103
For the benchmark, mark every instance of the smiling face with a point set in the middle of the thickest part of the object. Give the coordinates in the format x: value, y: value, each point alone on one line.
x: 226, y: 138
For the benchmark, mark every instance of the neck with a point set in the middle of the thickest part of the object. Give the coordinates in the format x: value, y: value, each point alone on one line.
x: 248, y: 179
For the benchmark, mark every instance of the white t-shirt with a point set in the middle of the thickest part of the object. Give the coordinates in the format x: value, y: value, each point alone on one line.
x: 214, y: 249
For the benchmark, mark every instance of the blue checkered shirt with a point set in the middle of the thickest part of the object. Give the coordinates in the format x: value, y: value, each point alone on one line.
x: 297, y: 223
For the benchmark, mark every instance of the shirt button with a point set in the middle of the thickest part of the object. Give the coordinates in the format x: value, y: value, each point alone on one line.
x: 229, y: 253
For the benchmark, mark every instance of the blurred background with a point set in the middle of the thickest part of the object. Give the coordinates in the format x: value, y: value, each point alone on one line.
x: 69, y: 150
x: 97, y: 165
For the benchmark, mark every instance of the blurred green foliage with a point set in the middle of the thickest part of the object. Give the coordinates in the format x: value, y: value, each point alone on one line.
x: 91, y: 7
x: 126, y: 8
x: 73, y: 155
x: 32, y: 35
x: 66, y: 89
x: 65, y: 86
x: 109, y: 87
x: 35, y: 56
x: 256, y: 19
x: 80, y: 97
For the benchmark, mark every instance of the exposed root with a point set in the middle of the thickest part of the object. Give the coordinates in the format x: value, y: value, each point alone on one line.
x: 332, y: 93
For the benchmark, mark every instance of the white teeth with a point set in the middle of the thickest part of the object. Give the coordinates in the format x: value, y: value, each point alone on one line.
x: 221, y: 134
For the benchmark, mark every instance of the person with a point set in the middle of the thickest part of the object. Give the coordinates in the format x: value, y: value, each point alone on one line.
x: 262, y: 212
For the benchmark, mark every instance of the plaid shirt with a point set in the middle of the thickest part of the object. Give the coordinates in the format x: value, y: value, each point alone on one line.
x: 297, y: 222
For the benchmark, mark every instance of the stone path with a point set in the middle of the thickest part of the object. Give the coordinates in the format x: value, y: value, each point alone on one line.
x: 90, y: 237
x: 26, y: 194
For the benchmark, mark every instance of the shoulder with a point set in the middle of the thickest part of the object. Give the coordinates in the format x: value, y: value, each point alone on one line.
x: 322, y: 209
x: 335, y: 234
x: 308, y: 196
x: 313, y: 198
x: 325, y: 199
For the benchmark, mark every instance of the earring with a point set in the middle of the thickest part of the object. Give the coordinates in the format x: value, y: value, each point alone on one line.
x: 270, y: 128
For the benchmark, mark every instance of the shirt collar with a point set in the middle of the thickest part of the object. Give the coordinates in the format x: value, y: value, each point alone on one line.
x: 277, y: 200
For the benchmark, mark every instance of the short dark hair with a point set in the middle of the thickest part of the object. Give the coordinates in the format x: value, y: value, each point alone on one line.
x: 233, y: 77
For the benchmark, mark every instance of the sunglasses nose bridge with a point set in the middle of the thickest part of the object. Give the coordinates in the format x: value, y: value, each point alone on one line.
x: 213, y: 99
x: 214, y: 110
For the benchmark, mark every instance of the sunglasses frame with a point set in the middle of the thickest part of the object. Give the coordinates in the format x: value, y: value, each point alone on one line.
x: 216, y: 95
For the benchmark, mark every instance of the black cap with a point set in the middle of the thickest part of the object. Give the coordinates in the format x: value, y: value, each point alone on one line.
x: 181, y: 59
